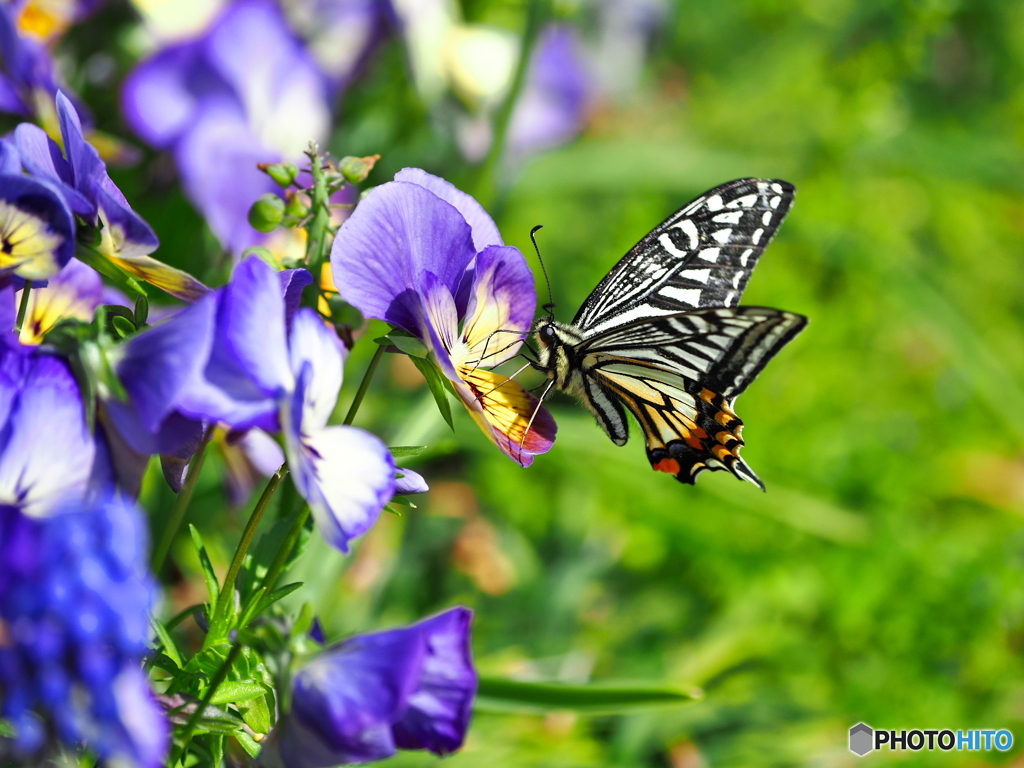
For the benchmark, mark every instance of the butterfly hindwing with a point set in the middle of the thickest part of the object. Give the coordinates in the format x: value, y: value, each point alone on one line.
x: 679, y: 376
x: 701, y: 256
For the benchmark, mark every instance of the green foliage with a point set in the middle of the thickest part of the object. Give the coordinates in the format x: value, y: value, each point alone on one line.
x: 880, y: 577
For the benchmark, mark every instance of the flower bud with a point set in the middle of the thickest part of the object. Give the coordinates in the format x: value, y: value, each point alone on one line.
x: 283, y: 173
x: 266, y: 213
x: 356, y: 169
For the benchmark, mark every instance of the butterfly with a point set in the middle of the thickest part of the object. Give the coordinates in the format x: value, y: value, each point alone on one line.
x: 663, y: 337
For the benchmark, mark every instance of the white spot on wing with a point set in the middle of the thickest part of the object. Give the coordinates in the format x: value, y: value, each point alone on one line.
x: 767, y: 218
x: 722, y: 235
x: 710, y: 254
x: 729, y: 217
x: 666, y: 242
x: 745, y: 256
x: 756, y: 237
x: 742, y: 202
x: 689, y: 296
x: 774, y: 202
x: 714, y: 203
x: 690, y: 230
x: 700, y: 275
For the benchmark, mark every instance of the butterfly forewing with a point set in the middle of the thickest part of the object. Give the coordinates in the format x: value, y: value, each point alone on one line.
x: 701, y: 256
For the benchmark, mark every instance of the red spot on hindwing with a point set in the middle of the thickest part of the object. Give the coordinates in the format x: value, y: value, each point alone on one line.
x: 671, y: 466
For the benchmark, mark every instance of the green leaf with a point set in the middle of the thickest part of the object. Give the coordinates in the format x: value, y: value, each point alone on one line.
x: 277, y: 594
x: 502, y: 695
x: 398, y: 451
x: 256, y: 714
x: 248, y: 743
x: 406, y: 343
x: 123, y: 327
x: 7, y: 730
x: 217, y: 749
x: 232, y: 692
x: 169, y: 648
x: 212, y: 586
x: 436, y: 382
x: 141, y: 311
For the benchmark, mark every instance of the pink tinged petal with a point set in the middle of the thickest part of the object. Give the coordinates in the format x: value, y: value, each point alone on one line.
x: 503, y: 409
x: 46, y: 412
x: 396, y: 235
x: 315, y: 345
x: 502, y: 298
x: 485, y: 231
x: 439, y: 710
x: 346, y: 474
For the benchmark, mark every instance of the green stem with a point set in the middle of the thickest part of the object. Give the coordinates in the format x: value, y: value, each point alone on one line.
x: 193, y: 720
x: 180, y: 508
x: 364, y: 385
x: 274, y: 571
x: 487, y: 184
x: 23, y: 307
x: 107, y: 268
x: 227, y: 594
x: 316, y: 245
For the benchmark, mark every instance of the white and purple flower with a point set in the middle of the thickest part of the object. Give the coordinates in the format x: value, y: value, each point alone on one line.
x: 246, y: 357
x: 40, y: 407
x: 368, y: 696
x: 426, y: 257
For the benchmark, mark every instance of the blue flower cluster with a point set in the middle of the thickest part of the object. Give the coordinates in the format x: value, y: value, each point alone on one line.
x: 75, y: 598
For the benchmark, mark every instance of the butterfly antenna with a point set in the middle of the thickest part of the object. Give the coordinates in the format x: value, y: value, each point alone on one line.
x: 533, y: 416
x: 550, y: 306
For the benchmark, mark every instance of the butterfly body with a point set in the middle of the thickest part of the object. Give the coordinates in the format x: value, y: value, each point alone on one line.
x: 662, y: 335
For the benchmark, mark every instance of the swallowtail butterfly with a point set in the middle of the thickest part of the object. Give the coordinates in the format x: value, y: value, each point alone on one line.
x: 663, y: 337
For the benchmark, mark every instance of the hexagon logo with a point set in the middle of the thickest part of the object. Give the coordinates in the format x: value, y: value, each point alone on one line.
x: 862, y: 739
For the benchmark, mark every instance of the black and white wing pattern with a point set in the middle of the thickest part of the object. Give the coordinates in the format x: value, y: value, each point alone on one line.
x: 679, y: 376
x: 701, y: 256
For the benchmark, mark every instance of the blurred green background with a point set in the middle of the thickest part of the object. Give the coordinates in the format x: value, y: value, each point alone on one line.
x: 880, y: 577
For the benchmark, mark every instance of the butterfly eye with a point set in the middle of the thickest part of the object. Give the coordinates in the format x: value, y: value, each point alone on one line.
x: 547, y: 333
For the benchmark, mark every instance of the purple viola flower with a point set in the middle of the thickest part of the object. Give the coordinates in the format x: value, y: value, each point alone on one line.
x: 81, y: 177
x: 41, y: 407
x: 249, y: 457
x: 368, y: 696
x: 37, y: 232
x: 423, y: 256
x: 73, y: 293
x: 26, y: 72
x: 556, y: 99
x: 245, y: 92
x: 553, y: 106
x: 341, y: 34
x: 244, y: 357
x: 75, y: 597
